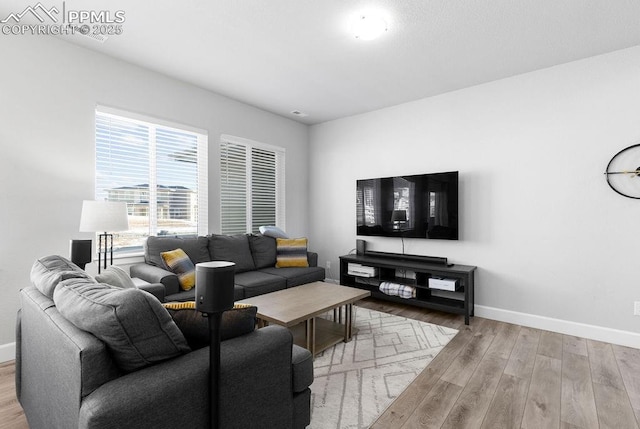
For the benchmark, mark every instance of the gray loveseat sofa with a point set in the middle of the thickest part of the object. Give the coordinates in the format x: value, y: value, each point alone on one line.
x: 254, y: 256
x: 66, y: 377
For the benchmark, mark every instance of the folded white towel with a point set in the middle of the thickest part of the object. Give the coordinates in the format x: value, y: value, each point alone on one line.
x: 397, y: 289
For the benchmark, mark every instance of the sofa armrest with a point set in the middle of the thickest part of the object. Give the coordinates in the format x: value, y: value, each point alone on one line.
x: 156, y: 289
x: 56, y: 360
x: 170, y: 394
x: 153, y: 274
x: 302, y: 362
x: 312, y: 257
x: 255, y: 389
x: 18, y: 374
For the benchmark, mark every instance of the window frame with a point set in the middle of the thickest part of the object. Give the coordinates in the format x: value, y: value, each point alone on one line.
x: 280, y: 182
x: 202, y: 167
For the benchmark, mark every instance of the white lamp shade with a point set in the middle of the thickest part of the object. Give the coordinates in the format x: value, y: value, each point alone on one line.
x: 98, y: 216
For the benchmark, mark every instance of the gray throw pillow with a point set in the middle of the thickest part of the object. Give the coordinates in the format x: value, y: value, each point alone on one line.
x: 232, y: 248
x: 195, y: 247
x: 263, y: 250
x: 115, y: 276
x: 49, y: 271
x: 135, y: 327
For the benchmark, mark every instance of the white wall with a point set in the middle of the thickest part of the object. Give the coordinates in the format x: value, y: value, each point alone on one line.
x: 48, y: 92
x: 548, y: 235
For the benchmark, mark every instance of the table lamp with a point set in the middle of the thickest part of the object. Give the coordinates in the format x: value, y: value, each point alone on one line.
x: 98, y: 216
x: 214, y: 295
x: 399, y: 218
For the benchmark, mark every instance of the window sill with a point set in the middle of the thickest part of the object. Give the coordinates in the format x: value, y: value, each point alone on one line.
x: 123, y: 258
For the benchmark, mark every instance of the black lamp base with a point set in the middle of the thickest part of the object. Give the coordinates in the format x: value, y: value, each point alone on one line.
x: 108, y: 248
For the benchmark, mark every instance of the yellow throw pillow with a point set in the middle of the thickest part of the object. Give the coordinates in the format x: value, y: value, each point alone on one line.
x: 291, y: 252
x: 179, y: 263
x: 191, y: 305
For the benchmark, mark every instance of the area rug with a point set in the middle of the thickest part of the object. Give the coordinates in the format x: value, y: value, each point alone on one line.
x: 355, y: 382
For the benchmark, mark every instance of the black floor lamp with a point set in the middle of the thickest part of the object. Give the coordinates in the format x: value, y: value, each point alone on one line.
x: 214, y: 295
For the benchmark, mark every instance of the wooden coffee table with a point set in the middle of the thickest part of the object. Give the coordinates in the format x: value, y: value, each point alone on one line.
x: 296, y: 308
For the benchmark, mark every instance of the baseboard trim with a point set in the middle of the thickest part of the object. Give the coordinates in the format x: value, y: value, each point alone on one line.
x: 592, y: 332
x: 7, y: 352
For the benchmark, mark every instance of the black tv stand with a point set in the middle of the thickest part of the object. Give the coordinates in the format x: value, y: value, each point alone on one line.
x: 414, y: 271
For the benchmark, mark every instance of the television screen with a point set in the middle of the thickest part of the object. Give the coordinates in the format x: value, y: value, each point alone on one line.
x: 417, y: 206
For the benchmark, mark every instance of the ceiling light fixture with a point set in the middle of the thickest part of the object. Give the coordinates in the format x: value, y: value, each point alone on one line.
x: 368, y: 26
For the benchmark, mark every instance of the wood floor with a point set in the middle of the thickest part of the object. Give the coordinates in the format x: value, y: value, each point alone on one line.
x: 11, y: 416
x: 491, y: 375
x: 497, y: 375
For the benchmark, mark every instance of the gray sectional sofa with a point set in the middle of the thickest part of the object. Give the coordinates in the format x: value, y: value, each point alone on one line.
x: 253, y: 254
x: 128, y: 366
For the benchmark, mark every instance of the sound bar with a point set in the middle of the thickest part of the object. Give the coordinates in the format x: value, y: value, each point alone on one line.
x: 417, y: 258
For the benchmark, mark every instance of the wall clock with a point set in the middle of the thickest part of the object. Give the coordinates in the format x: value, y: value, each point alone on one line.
x: 623, y: 172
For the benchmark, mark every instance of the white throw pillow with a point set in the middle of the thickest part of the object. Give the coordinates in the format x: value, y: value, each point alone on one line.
x: 115, y: 276
x: 273, y: 231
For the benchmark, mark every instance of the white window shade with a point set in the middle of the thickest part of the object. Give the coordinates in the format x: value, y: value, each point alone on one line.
x: 159, y: 171
x: 252, y: 185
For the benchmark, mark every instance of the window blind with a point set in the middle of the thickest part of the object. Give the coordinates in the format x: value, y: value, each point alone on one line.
x: 160, y: 171
x: 252, y: 185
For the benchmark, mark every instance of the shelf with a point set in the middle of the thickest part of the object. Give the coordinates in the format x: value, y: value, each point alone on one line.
x: 328, y: 334
x: 460, y: 301
x: 367, y: 281
x: 403, y: 281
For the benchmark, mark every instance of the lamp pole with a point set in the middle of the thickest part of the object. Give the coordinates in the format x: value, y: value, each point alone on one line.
x: 214, y: 369
x: 214, y: 295
x: 104, y: 216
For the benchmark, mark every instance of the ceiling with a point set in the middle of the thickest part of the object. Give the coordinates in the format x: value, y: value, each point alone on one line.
x: 285, y: 55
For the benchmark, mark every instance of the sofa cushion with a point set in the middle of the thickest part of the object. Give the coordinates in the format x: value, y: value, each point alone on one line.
x: 178, y: 262
x: 263, y: 250
x: 238, y: 292
x: 115, y: 276
x: 185, y: 295
x: 240, y: 320
x: 291, y: 252
x: 195, y: 247
x: 258, y: 283
x: 296, y: 276
x: 190, y: 295
x: 137, y: 330
x: 48, y: 272
x: 232, y: 248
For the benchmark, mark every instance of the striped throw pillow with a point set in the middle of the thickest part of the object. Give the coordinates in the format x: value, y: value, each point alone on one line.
x: 291, y: 252
x: 178, y: 262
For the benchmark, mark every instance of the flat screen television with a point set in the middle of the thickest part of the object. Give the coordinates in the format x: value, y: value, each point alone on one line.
x: 417, y: 206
